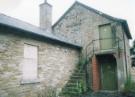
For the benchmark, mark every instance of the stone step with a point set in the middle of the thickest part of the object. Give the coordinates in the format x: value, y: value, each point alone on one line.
x: 70, y: 89
x: 75, y: 81
x: 79, y: 74
x: 76, y: 77
x: 72, y: 80
x: 71, y: 85
x: 70, y: 93
x: 79, y: 71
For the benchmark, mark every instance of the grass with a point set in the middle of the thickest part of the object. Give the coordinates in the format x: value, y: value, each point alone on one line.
x: 47, y: 92
x: 129, y: 86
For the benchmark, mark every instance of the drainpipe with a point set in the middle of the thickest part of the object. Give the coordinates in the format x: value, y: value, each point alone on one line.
x: 125, y: 53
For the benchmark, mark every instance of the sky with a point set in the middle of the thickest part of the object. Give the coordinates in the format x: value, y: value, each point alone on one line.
x: 28, y: 10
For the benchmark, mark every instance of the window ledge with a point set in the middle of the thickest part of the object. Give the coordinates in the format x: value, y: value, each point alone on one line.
x: 34, y: 81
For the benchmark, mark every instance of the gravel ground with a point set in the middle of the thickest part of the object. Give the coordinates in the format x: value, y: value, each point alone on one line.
x: 106, y: 94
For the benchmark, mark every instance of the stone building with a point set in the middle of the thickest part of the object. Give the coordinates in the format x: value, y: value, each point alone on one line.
x: 133, y: 67
x: 105, y: 42
x: 32, y: 57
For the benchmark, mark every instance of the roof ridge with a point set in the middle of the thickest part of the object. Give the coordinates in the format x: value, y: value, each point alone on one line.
x: 90, y: 8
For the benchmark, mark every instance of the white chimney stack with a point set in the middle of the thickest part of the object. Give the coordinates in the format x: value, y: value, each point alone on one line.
x: 46, y: 16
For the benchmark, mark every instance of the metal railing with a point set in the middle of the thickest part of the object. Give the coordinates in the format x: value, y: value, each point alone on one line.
x: 96, y: 46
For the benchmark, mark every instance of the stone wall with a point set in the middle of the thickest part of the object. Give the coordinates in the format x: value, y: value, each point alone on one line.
x: 55, y: 64
x: 80, y: 25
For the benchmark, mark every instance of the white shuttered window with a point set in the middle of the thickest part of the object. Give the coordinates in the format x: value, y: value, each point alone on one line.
x: 29, y: 67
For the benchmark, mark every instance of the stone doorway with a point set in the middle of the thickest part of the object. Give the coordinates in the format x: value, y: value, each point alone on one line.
x: 104, y: 68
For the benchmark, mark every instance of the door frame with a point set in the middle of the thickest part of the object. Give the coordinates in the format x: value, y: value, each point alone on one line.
x: 101, y: 69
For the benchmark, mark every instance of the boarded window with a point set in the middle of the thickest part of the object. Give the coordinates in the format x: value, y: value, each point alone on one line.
x: 30, y: 62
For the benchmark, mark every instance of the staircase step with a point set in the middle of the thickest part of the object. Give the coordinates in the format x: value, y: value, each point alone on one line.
x: 70, y: 93
x: 79, y: 74
x: 72, y: 81
x: 71, y: 84
x: 79, y: 71
x: 75, y: 80
x: 70, y: 89
x: 76, y: 77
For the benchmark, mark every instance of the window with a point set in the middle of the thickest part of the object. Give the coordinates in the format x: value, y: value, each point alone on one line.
x: 29, y: 68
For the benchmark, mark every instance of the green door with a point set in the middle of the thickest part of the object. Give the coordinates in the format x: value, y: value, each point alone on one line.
x: 108, y: 74
x: 105, y: 33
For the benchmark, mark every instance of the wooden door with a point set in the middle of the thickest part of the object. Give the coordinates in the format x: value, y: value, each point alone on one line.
x: 108, y: 74
x: 105, y: 35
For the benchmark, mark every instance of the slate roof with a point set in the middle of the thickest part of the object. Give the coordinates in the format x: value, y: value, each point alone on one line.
x: 122, y: 21
x: 34, y: 30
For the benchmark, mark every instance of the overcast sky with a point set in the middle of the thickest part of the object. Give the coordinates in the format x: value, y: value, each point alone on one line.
x: 28, y: 10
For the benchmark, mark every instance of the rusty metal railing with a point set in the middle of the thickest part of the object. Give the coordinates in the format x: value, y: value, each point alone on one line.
x: 96, y: 46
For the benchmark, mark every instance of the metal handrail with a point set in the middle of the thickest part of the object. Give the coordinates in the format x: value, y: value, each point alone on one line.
x: 91, y: 45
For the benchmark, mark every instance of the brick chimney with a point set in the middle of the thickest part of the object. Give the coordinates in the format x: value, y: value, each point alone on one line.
x: 46, y: 16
